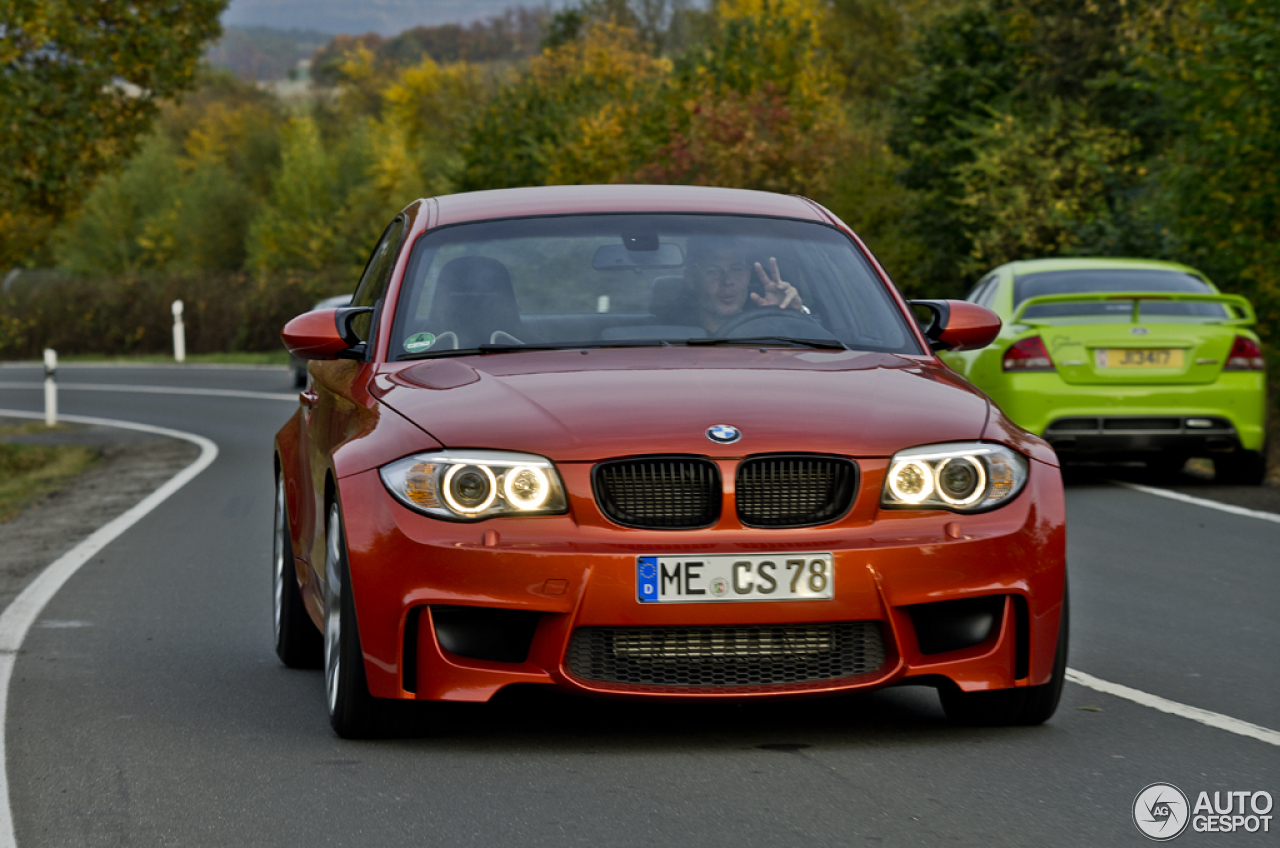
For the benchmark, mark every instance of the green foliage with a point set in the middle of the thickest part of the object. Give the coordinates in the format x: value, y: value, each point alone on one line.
x: 107, y: 234
x: 751, y: 105
x: 1022, y: 131
x: 1216, y: 63
x: 298, y: 228
x: 82, y: 81
x: 1036, y: 187
x: 184, y: 201
x: 522, y: 135
x: 871, y: 43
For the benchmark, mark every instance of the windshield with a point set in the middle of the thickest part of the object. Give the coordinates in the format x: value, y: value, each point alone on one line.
x: 621, y: 280
x: 1114, y: 280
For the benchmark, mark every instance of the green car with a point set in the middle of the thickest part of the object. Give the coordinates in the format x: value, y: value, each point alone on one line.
x: 1122, y: 359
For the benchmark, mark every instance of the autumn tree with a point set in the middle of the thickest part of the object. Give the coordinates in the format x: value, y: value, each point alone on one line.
x: 184, y: 201
x: 1216, y: 65
x: 521, y: 136
x: 1023, y: 130
x: 82, y: 81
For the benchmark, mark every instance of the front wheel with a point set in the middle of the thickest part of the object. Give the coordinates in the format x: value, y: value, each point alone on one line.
x: 353, y: 712
x: 1024, y: 705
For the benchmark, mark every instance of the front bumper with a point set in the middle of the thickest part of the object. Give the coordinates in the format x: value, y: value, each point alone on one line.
x: 545, y: 578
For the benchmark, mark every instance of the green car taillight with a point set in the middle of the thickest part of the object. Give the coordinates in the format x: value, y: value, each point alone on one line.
x: 1027, y: 354
x: 1245, y: 356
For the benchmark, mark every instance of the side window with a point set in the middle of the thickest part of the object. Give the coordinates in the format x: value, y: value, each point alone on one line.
x: 988, y: 294
x: 376, y: 276
x: 981, y: 290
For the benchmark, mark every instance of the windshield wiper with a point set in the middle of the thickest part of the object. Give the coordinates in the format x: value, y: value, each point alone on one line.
x: 504, y: 348
x: 516, y: 348
x: 821, y: 344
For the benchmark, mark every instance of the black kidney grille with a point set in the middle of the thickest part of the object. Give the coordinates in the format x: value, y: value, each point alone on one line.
x: 663, y: 492
x: 726, y: 656
x: 794, y: 490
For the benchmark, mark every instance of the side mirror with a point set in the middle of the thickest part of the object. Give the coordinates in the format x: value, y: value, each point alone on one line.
x: 325, y: 334
x: 958, y: 324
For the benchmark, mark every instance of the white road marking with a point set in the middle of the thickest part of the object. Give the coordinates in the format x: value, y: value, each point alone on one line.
x: 22, y: 612
x: 1221, y: 507
x: 156, y: 390
x: 1164, y: 705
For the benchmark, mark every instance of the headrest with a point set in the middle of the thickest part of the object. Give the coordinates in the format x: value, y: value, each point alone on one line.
x: 474, y: 299
x: 473, y: 274
x: 671, y: 297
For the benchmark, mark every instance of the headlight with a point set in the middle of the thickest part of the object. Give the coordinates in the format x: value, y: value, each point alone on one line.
x: 961, y: 477
x: 470, y: 485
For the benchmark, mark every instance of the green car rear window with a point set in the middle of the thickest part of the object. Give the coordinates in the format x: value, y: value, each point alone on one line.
x: 1113, y: 280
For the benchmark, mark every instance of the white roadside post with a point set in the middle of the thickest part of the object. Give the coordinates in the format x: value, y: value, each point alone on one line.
x: 179, y: 334
x: 50, y: 387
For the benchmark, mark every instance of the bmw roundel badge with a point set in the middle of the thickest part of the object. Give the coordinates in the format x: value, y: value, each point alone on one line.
x: 724, y: 434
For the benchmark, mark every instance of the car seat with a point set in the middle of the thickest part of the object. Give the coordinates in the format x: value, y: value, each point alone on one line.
x: 475, y: 302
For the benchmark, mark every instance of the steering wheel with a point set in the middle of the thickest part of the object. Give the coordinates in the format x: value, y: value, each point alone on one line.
x: 794, y: 317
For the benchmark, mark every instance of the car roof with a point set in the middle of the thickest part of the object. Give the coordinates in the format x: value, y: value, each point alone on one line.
x: 1034, y: 266
x: 588, y: 199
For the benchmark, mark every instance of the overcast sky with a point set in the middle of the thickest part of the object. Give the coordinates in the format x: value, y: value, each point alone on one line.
x: 384, y: 16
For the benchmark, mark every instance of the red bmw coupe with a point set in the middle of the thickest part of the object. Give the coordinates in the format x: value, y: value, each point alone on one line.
x: 656, y: 442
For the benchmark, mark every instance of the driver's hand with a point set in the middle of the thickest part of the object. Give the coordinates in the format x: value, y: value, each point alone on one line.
x: 777, y: 292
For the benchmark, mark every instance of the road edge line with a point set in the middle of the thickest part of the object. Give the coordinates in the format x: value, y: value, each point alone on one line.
x: 1164, y: 705
x: 1205, y: 502
x: 17, y: 618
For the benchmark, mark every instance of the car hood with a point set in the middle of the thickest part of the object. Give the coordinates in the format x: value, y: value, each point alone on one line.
x: 584, y: 406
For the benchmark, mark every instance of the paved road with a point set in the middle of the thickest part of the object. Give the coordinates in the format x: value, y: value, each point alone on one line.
x: 147, y: 707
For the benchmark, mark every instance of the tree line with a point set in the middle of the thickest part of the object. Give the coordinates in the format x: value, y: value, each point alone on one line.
x: 953, y: 135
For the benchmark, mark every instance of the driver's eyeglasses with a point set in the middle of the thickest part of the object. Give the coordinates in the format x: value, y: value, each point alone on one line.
x: 716, y: 273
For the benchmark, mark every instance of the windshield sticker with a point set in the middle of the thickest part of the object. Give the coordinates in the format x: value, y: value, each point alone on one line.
x: 419, y: 342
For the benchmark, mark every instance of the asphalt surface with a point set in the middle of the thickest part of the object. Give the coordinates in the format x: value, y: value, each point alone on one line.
x: 147, y: 706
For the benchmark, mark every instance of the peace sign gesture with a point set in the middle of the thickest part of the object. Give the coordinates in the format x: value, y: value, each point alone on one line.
x: 777, y: 292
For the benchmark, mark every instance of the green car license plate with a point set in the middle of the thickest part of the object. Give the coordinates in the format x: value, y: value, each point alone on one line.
x: 1124, y: 357
x: 723, y: 579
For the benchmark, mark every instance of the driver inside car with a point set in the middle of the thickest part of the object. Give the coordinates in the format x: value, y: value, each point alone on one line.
x: 718, y: 275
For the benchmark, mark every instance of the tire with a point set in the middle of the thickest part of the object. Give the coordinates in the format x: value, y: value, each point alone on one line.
x: 1025, y: 705
x: 298, y: 642
x: 1241, y: 468
x: 353, y: 712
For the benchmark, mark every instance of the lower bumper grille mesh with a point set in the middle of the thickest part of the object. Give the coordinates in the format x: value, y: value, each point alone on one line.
x: 726, y: 656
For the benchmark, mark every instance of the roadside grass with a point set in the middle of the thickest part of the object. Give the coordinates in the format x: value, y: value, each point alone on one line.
x: 29, y: 472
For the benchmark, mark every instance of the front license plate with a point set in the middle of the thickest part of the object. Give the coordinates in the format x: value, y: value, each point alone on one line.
x: 720, y: 579
x: 1123, y: 357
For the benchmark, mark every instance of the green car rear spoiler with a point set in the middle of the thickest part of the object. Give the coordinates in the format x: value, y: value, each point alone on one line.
x: 1236, y: 305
